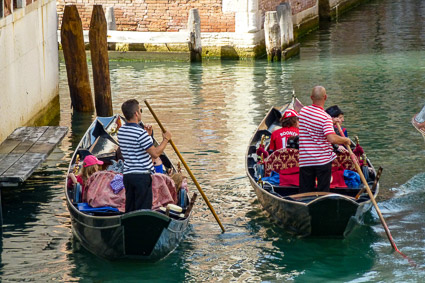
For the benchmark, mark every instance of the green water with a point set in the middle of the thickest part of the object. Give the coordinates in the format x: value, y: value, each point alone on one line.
x: 371, y: 63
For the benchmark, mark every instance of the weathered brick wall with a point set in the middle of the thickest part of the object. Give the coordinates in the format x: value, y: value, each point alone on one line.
x: 296, y: 5
x: 8, y: 4
x: 156, y: 15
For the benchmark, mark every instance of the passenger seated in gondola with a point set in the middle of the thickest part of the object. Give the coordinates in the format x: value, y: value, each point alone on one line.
x: 337, y: 117
x: 279, y: 138
x: 157, y: 164
x: 90, y: 166
x: 182, y: 191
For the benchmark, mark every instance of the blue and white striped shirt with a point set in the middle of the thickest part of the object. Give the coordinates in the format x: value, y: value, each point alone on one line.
x: 134, y: 141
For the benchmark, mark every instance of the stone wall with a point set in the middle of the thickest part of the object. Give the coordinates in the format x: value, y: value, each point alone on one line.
x: 157, y: 15
x: 29, y: 73
x: 296, y: 5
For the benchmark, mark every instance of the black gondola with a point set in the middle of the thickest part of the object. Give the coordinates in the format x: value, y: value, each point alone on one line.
x: 143, y: 234
x: 316, y: 213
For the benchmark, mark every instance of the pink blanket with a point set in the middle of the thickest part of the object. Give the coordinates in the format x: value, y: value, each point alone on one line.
x: 163, y: 191
x: 99, y: 191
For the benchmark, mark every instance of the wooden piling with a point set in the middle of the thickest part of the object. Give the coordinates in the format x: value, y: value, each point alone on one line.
x: 272, y: 37
x: 284, y: 15
x: 110, y: 18
x: 100, y: 62
x: 72, y: 41
x: 194, y: 26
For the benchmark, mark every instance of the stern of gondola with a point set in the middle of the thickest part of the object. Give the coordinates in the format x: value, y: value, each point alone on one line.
x: 331, y: 215
x: 151, y: 235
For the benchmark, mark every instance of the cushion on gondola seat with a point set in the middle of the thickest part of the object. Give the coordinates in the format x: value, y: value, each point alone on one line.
x: 281, y: 159
x: 286, y: 158
x: 289, y: 177
x: 343, y: 162
x: 85, y: 207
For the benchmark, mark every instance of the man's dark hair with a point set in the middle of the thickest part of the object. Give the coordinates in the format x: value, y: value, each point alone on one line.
x: 289, y: 122
x: 129, y: 108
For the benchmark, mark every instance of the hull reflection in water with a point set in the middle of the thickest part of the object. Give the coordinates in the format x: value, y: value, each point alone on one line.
x: 143, y: 234
x: 316, y: 213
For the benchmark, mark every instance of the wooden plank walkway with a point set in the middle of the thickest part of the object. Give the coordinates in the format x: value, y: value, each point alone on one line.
x: 24, y: 150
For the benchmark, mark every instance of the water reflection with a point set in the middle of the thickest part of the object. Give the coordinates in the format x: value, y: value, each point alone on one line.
x: 370, y: 62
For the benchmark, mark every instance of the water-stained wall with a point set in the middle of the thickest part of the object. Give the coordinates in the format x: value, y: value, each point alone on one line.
x: 29, y: 73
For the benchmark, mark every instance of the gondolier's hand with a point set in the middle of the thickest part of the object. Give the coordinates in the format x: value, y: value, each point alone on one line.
x: 342, y: 149
x: 166, y: 136
x: 149, y: 129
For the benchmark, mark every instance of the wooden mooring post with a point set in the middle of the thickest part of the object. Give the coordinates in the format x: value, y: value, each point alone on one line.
x: 100, y: 62
x: 72, y: 40
x: 194, y: 26
x: 288, y: 45
x: 272, y: 37
x: 110, y: 18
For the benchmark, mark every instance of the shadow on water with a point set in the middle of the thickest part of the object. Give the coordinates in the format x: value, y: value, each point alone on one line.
x: 312, y: 259
x: 90, y: 267
x: 79, y: 124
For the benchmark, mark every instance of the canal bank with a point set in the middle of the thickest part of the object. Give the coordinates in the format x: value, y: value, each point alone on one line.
x: 230, y: 29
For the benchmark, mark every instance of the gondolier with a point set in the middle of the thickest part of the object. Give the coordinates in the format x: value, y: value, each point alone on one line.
x: 316, y: 138
x: 138, y: 150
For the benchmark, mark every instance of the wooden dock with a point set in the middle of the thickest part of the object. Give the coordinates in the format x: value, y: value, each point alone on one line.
x: 24, y: 150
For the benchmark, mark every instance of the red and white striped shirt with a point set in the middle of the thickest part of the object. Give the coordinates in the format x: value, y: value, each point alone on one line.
x: 315, y: 125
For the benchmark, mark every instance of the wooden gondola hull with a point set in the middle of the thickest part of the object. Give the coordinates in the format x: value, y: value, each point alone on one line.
x: 144, y: 234
x: 326, y: 216
x: 330, y: 214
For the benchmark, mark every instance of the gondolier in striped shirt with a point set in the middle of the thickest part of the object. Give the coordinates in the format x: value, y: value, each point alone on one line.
x: 137, y: 148
x: 316, y: 138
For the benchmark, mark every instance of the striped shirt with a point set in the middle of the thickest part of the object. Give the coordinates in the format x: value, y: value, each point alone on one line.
x: 315, y: 125
x: 134, y: 141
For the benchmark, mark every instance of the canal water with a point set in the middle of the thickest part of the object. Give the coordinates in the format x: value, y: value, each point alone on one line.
x: 371, y: 63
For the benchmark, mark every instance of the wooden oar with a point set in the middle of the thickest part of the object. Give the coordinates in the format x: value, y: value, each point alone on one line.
x: 187, y: 167
x: 372, y: 198
x: 375, y: 184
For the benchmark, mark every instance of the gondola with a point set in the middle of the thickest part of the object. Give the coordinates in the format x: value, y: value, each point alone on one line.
x: 143, y: 234
x: 329, y: 214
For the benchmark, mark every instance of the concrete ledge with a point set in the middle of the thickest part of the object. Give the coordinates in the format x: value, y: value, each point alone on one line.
x: 143, y: 56
x: 291, y: 51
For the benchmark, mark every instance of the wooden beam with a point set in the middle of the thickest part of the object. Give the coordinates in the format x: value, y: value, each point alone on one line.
x: 75, y: 60
x: 100, y: 62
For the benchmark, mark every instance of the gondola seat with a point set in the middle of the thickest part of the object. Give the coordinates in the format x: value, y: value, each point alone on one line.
x: 281, y: 159
x: 343, y: 162
x: 286, y: 158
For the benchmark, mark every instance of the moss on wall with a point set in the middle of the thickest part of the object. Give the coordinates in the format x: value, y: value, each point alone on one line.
x: 48, y: 116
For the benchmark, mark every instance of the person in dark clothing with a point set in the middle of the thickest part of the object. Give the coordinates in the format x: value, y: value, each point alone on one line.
x: 138, y: 150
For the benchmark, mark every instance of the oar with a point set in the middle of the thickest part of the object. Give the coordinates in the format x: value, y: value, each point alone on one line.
x: 187, y: 167
x: 372, y: 198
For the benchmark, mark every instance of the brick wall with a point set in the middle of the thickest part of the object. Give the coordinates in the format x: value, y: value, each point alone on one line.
x: 156, y: 15
x: 296, y: 5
